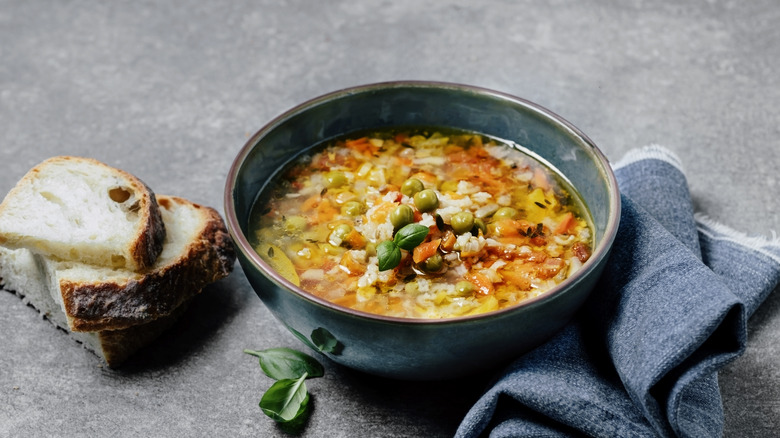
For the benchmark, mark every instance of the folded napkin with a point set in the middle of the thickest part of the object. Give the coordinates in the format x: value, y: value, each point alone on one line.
x: 641, y: 357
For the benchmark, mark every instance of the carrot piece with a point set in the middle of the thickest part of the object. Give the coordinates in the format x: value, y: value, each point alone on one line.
x: 448, y: 241
x: 540, y: 180
x: 380, y: 214
x: 505, y: 228
x: 355, y: 240
x: 483, y: 283
x: 424, y: 250
x: 353, y: 266
x: 357, y: 142
x: 325, y: 212
x: 517, y: 279
x: 362, y: 145
x: 565, y: 224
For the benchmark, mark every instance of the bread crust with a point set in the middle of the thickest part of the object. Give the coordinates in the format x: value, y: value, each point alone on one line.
x: 149, y: 243
x: 96, y: 306
x: 118, y: 345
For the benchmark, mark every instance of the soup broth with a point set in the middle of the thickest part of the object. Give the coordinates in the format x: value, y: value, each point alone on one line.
x: 421, y: 224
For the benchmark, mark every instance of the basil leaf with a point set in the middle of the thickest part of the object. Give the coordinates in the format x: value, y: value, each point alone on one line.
x: 410, y: 236
x: 286, y: 399
x: 301, y: 337
x: 388, y: 254
x: 326, y: 342
x: 286, y: 363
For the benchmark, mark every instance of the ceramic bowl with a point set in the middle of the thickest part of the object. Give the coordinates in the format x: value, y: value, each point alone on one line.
x: 412, y: 348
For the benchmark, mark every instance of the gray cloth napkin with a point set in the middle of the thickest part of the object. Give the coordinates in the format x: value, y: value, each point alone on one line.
x: 641, y: 357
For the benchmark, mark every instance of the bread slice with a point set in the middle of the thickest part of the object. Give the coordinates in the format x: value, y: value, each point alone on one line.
x: 72, y: 208
x: 116, y: 311
x: 25, y: 273
x: 197, y: 251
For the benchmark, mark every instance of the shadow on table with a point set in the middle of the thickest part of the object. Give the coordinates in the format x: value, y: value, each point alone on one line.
x: 419, y: 407
x: 207, y: 312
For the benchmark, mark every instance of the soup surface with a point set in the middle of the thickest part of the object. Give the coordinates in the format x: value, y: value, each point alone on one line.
x: 422, y: 224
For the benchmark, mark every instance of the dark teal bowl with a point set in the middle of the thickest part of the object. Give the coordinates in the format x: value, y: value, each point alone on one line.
x: 409, y: 348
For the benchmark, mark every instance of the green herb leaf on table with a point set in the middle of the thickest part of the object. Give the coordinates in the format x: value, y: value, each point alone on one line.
x: 410, y: 236
x: 389, y: 255
x: 286, y: 363
x: 326, y: 342
x: 301, y: 337
x: 286, y: 399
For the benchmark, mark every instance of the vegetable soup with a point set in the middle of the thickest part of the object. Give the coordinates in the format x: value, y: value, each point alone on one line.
x: 421, y: 224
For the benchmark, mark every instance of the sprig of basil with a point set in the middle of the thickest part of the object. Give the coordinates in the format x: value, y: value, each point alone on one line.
x: 389, y: 251
x: 288, y: 398
x: 410, y: 236
x: 286, y: 363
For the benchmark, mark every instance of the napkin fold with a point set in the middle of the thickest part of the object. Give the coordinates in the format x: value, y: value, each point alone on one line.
x: 641, y: 357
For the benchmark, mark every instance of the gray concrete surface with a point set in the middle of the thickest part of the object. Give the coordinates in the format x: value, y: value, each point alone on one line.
x: 170, y: 91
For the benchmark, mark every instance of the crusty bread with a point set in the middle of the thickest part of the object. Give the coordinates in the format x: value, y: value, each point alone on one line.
x: 73, y: 208
x: 114, y: 312
x: 25, y: 273
x: 197, y: 251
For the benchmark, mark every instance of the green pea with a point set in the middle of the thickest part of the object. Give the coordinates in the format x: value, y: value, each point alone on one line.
x: 401, y: 215
x: 411, y: 186
x: 426, y: 200
x: 505, y: 213
x: 353, y: 208
x: 464, y: 288
x: 339, y: 233
x: 336, y: 179
x: 462, y: 222
x: 479, y: 225
x: 433, y: 263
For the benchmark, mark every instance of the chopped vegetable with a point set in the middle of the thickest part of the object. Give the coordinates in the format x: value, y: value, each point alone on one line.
x: 274, y: 256
x: 425, y: 250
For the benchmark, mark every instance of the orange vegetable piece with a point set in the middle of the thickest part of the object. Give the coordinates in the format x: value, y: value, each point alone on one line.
x: 425, y: 250
x: 448, y: 241
x: 540, y: 180
x: 518, y: 279
x: 483, y: 283
x: 325, y: 212
x: 362, y: 145
x: 564, y: 226
x: 355, y: 240
x: 505, y: 228
x: 348, y: 300
x: 353, y: 266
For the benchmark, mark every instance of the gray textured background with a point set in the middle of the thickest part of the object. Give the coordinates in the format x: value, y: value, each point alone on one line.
x: 170, y: 91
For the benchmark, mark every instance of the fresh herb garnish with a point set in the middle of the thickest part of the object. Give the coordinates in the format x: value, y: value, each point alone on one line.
x: 389, y: 255
x: 325, y: 341
x: 410, y: 236
x: 389, y: 251
x: 286, y: 363
x: 287, y: 399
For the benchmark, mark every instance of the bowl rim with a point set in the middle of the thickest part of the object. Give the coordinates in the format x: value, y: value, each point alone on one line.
x: 242, y: 243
